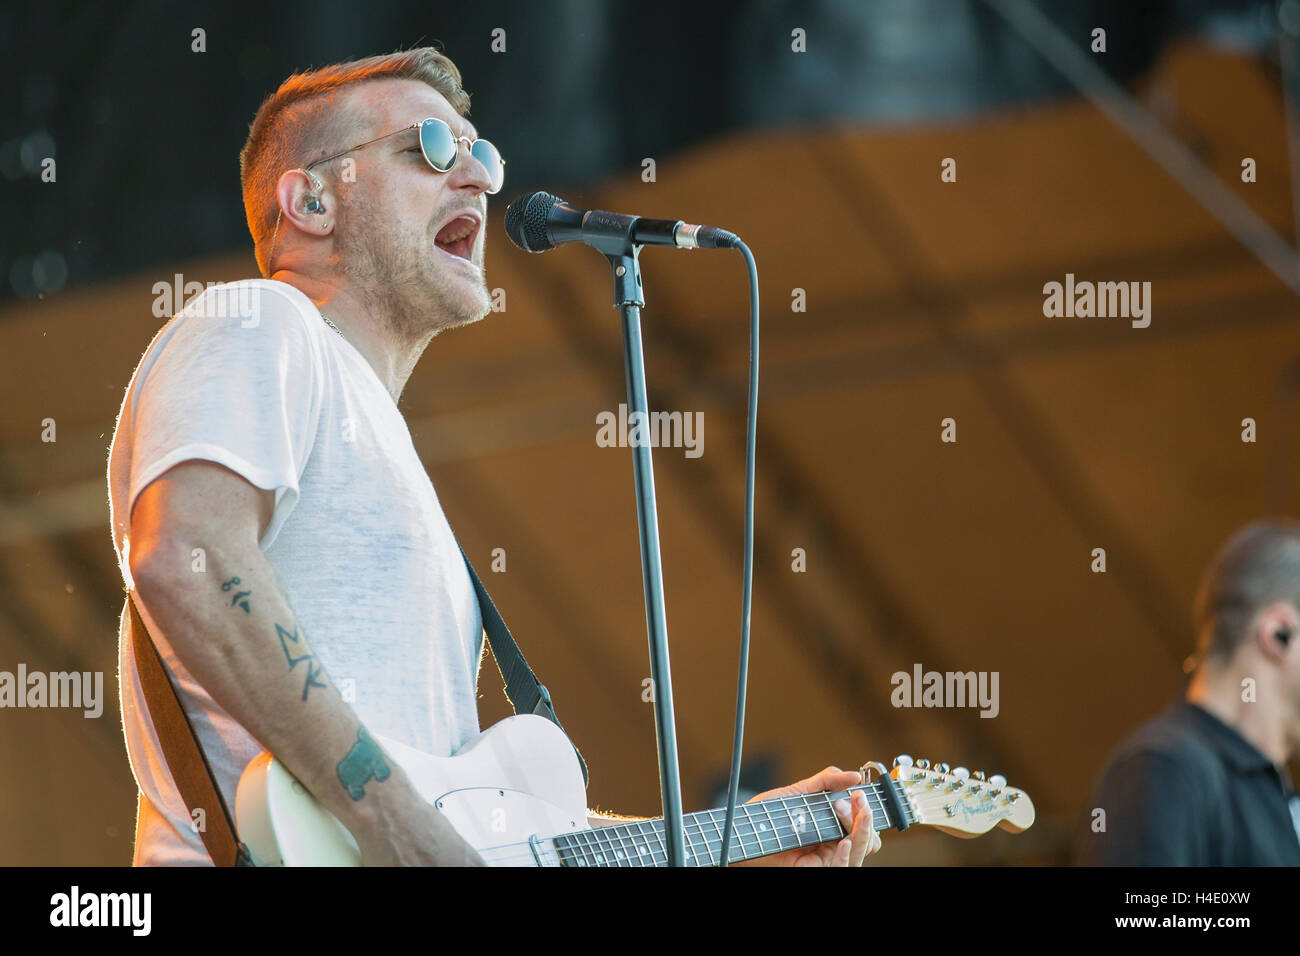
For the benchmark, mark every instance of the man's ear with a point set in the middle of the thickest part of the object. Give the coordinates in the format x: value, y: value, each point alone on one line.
x: 305, y: 201
x: 1275, y: 629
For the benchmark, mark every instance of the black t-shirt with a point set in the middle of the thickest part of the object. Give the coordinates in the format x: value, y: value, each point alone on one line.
x: 1187, y: 790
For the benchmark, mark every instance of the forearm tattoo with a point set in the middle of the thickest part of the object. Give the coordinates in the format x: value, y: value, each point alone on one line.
x: 314, y: 668
x: 364, y: 760
x: 239, y: 597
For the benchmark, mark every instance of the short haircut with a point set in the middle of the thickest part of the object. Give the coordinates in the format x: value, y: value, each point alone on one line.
x: 299, y: 124
x: 1258, y: 566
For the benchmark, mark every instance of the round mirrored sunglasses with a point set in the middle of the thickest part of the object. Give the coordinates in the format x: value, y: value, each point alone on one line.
x: 441, y: 148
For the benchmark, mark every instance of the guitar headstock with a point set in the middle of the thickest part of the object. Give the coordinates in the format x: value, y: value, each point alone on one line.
x: 956, y: 801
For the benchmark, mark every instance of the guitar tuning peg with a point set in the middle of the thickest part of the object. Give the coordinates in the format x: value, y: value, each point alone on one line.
x: 961, y: 773
x: 923, y: 764
x: 902, y: 760
x: 996, y: 783
x: 942, y: 767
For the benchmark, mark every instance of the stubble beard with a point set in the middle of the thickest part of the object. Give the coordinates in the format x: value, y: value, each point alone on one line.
x: 404, y: 277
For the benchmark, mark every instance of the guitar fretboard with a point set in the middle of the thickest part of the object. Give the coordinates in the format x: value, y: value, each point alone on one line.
x: 758, y: 829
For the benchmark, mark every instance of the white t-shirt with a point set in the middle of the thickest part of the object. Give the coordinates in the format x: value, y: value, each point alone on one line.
x: 250, y: 376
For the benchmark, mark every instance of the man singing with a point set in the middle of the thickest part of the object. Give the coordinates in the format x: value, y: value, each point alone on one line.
x: 1206, y: 783
x: 267, y: 501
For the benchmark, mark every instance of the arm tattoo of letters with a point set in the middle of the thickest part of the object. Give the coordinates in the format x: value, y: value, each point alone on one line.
x: 364, y: 760
x: 240, y: 598
x: 313, y: 668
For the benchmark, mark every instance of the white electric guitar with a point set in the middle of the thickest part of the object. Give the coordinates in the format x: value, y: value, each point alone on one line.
x: 515, y: 793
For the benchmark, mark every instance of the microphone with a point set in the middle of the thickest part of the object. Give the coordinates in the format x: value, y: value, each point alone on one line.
x: 538, y: 222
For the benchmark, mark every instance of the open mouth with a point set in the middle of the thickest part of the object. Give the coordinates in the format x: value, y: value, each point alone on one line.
x: 458, y: 236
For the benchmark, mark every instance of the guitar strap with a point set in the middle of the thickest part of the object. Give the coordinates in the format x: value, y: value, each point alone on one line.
x: 527, y: 695
x: 180, y: 746
x: 191, y: 771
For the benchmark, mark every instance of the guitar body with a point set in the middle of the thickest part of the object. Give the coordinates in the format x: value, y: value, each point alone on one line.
x: 518, y: 779
x: 516, y: 794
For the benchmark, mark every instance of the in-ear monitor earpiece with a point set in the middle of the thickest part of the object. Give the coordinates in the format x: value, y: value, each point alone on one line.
x: 311, y: 201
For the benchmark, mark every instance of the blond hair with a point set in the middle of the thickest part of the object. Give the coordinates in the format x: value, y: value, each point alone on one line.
x: 299, y: 123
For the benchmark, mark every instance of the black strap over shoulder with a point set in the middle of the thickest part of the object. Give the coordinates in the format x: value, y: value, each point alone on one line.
x: 527, y: 695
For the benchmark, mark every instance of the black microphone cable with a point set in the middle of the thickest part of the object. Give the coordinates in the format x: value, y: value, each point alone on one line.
x: 747, y: 573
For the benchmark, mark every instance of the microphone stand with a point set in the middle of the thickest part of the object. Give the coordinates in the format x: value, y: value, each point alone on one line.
x: 622, y: 253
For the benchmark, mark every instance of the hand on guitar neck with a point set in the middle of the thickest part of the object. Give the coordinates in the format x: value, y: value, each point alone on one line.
x: 852, y: 850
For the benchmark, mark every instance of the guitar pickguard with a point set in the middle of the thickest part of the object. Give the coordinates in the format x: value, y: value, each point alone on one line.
x: 498, y: 823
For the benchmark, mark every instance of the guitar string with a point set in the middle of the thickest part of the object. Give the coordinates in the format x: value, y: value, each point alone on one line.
x: 609, y: 846
x: 629, y: 844
x: 598, y: 842
x: 610, y: 849
x: 601, y: 838
x: 609, y: 842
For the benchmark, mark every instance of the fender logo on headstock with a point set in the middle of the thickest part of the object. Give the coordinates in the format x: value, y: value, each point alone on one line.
x: 986, y: 807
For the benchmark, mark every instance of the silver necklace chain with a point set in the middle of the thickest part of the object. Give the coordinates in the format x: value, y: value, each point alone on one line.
x: 331, y: 324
